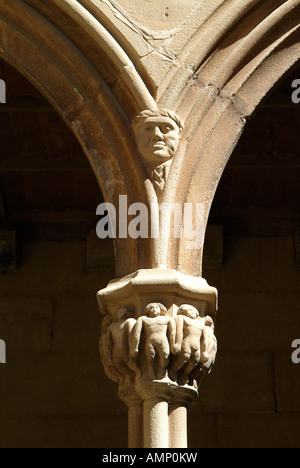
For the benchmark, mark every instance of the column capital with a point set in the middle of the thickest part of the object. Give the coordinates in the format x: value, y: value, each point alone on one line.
x: 170, y: 287
x: 157, y: 334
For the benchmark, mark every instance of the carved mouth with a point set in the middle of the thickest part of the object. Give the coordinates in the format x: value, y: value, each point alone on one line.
x: 159, y: 145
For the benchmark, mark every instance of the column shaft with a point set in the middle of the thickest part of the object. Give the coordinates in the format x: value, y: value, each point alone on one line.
x: 135, y: 426
x: 156, y: 432
x: 178, y: 427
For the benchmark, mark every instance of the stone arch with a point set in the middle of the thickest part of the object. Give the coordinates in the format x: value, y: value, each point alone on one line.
x: 221, y: 29
x: 79, y: 65
x: 218, y: 102
x: 84, y: 98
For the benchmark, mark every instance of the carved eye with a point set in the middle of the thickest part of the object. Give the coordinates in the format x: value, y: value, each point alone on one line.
x: 148, y: 129
x: 167, y: 129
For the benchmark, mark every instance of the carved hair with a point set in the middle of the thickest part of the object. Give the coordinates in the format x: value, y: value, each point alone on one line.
x: 185, y: 308
x: 144, y: 115
x: 163, y: 309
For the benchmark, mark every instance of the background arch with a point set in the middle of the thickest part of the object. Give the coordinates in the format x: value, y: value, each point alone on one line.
x: 216, y: 122
x: 84, y: 99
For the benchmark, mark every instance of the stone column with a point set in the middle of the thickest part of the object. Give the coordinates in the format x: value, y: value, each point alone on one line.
x: 155, y: 423
x: 135, y: 424
x: 157, y: 341
x: 178, y: 426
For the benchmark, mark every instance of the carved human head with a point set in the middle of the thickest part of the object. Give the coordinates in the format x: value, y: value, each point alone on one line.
x: 106, y: 321
x: 124, y: 312
x: 209, y: 322
x: 188, y: 311
x: 155, y: 309
x: 157, y: 135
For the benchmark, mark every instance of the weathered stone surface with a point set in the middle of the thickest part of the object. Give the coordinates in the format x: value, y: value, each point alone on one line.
x: 158, y: 352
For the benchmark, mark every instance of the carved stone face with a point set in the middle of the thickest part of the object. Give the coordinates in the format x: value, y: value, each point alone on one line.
x: 188, y: 311
x: 122, y: 312
x: 155, y: 309
x: 157, y: 139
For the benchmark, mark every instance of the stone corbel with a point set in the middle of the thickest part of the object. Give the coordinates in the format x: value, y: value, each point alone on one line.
x: 158, y: 133
x: 157, y: 341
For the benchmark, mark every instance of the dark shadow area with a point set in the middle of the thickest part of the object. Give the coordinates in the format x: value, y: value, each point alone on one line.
x: 251, y: 399
x: 53, y: 389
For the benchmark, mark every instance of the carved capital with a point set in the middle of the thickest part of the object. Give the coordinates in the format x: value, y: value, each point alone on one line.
x: 158, y: 349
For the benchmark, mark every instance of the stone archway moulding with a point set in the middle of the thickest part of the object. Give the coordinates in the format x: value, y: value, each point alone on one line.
x: 61, y: 72
x: 193, y: 85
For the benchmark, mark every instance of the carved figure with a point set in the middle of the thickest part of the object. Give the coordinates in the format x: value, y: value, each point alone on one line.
x: 108, y: 365
x: 208, y: 344
x: 114, y: 343
x: 208, y: 351
x: 157, y: 135
x: 156, y: 332
x: 189, y: 329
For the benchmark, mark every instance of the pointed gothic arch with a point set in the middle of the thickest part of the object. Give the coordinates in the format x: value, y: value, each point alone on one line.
x: 219, y: 100
x: 83, y: 98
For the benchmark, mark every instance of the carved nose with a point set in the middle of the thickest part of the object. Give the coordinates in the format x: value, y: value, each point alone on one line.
x: 157, y: 134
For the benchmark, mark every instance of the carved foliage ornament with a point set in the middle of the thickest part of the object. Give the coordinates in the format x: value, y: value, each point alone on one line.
x: 158, y: 135
x: 157, y: 347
